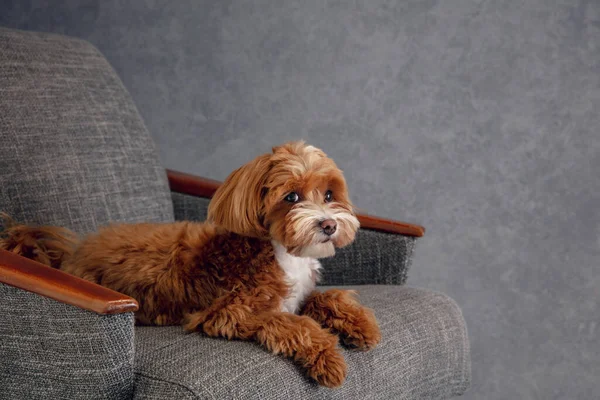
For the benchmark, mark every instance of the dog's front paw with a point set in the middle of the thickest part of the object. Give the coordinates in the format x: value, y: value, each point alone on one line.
x: 329, y: 369
x: 363, y: 333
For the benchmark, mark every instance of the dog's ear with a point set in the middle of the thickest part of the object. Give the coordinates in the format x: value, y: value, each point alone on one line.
x: 237, y: 205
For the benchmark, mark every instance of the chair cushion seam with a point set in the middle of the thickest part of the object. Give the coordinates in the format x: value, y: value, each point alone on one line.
x: 190, y: 390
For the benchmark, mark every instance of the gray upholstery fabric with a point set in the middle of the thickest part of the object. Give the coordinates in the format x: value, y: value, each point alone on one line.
x: 189, y: 208
x: 49, y: 350
x: 74, y: 150
x: 373, y: 258
x: 424, y: 354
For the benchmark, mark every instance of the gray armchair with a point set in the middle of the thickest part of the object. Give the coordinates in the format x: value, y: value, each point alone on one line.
x: 75, y: 153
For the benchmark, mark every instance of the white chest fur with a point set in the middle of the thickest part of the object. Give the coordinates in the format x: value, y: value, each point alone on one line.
x: 301, y: 273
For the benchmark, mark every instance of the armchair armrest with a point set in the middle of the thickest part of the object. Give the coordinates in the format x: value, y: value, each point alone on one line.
x: 50, y: 349
x: 34, y: 277
x: 196, y: 186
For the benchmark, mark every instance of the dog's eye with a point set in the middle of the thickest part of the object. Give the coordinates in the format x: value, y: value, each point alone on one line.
x: 328, y: 196
x: 292, y: 197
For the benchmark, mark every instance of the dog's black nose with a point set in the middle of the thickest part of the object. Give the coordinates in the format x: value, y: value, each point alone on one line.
x: 329, y: 226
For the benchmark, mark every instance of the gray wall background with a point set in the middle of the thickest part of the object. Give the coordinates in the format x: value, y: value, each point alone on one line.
x: 479, y: 119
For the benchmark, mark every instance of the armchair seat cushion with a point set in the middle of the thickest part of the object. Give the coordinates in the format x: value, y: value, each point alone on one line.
x: 424, y: 353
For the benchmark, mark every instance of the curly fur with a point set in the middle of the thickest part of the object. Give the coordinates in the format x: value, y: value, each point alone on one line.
x: 48, y: 245
x: 222, y: 277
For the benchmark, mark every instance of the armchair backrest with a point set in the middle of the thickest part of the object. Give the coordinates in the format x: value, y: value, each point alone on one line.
x: 74, y: 151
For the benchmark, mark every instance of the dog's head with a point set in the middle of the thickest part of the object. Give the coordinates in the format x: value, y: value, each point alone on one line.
x: 296, y: 196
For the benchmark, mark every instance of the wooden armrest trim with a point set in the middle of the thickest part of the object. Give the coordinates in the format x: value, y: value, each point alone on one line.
x: 390, y: 226
x: 197, y: 186
x: 32, y: 276
x: 192, y: 185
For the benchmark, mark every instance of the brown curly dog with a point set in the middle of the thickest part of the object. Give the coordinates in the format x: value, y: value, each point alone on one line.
x: 248, y: 273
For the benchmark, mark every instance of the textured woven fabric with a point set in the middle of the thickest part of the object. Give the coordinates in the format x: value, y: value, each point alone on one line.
x: 373, y: 258
x: 49, y: 350
x: 74, y: 150
x: 424, y: 353
x: 189, y: 208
